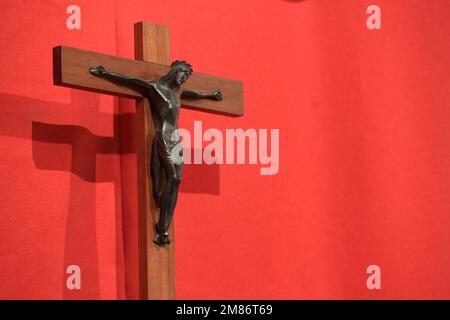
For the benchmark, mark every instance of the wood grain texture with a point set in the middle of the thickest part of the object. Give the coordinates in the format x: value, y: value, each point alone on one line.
x: 156, y: 264
x: 71, y: 69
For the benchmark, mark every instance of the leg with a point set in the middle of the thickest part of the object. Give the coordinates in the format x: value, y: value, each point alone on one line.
x: 168, y: 200
x: 155, y: 172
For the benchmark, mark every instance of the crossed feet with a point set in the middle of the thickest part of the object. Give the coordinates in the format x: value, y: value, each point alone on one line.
x: 161, y: 239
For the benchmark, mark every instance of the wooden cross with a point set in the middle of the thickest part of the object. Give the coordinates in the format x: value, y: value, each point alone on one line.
x: 71, y: 69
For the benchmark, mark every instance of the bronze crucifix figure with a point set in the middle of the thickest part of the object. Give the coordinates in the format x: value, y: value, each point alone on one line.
x: 164, y: 96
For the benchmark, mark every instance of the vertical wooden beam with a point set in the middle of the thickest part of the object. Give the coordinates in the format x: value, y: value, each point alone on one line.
x: 156, y: 264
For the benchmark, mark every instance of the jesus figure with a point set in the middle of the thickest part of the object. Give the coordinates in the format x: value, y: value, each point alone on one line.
x: 164, y: 97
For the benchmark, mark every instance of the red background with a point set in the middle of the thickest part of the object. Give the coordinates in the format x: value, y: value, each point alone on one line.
x: 364, y: 174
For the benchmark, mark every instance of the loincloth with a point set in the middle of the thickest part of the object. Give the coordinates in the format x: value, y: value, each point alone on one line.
x: 170, y: 150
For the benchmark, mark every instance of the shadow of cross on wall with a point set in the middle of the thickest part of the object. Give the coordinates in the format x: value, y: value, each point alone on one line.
x: 85, y: 146
x: 92, y: 159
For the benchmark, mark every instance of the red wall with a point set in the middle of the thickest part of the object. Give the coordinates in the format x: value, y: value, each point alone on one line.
x: 364, y: 175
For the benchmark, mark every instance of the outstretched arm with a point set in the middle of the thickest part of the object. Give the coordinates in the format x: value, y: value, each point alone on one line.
x: 136, y: 83
x: 192, y: 94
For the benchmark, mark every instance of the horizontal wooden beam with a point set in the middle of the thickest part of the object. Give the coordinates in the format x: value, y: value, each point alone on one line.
x: 71, y: 69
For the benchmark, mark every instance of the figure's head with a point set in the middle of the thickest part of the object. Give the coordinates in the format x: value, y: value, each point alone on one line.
x: 181, y: 70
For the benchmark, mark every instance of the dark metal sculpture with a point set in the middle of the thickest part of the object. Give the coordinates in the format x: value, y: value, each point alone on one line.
x: 164, y: 96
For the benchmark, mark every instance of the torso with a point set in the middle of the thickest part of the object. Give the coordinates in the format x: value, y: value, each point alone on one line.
x: 165, y: 108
